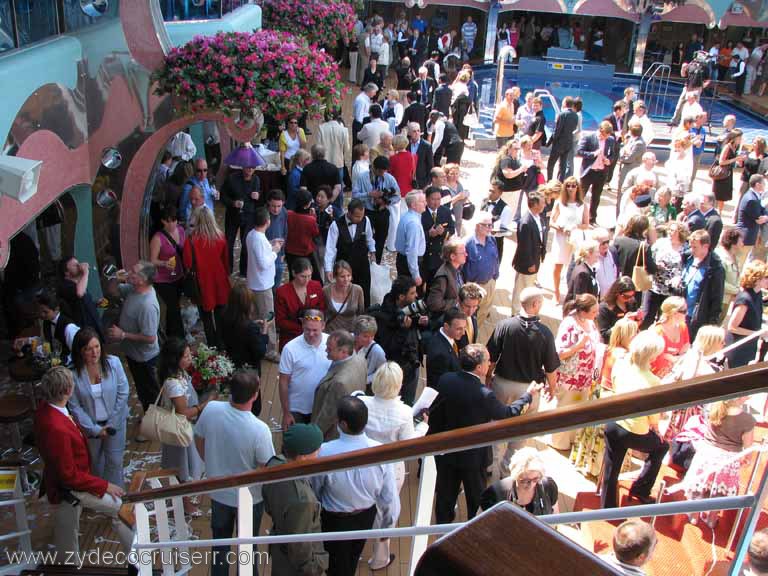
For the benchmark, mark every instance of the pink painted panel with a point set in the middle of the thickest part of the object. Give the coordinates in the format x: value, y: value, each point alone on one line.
x: 687, y: 13
x: 606, y: 8
x: 140, y: 35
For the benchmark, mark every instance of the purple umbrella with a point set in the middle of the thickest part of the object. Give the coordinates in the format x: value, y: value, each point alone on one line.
x: 244, y: 156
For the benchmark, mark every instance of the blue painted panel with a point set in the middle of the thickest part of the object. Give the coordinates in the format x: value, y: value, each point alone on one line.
x: 244, y: 19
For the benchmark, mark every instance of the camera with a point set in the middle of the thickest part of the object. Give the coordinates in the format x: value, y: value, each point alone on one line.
x: 415, y: 308
x: 386, y: 197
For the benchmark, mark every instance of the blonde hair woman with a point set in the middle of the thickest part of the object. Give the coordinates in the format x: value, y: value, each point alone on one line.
x: 389, y: 420
x: 746, y: 316
x: 639, y: 433
x: 716, y: 468
x: 527, y: 485
x: 205, y: 252
x: 618, y: 346
x: 672, y: 328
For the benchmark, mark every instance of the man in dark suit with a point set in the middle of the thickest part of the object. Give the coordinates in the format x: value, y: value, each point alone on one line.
x: 441, y: 99
x: 421, y: 149
x: 464, y: 400
x: 713, y: 223
x: 597, y: 151
x: 424, y: 87
x: 562, y: 139
x: 616, y: 119
x: 438, y: 224
x: 470, y: 296
x: 531, y: 248
x: 443, y: 347
x: 417, y: 48
x: 750, y: 215
x: 56, y: 325
x: 67, y: 480
x: 414, y: 112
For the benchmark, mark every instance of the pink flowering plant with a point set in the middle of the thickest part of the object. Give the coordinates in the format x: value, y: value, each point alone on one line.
x: 320, y: 22
x: 238, y: 72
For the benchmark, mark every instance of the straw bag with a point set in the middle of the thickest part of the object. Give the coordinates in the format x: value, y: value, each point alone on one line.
x: 640, y: 277
x: 166, y: 426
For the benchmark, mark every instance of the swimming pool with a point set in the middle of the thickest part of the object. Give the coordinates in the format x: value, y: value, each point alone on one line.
x: 598, y: 100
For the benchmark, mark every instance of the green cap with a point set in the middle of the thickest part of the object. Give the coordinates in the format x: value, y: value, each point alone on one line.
x: 302, y: 439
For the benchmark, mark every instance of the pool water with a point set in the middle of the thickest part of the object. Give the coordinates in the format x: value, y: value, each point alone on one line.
x: 598, y: 101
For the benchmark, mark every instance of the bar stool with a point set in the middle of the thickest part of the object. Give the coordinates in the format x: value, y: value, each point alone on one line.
x: 14, y: 409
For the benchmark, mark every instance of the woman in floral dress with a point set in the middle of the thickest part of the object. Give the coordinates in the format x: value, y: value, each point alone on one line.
x: 587, y: 451
x: 716, y: 467
x: 577, y: 343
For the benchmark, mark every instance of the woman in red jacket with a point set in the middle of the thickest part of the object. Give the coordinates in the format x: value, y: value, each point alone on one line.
x: 293, y: 298
x: 302, y: 231
x: 402, y: 164
x: 205, y: 252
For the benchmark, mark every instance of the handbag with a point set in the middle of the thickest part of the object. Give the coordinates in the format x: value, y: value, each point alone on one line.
x: 467, y: 211
x: 717, y: 172
x: 189, y: 285
x: 640, y: 276
x: 471, y: 120
x: 166, y: 426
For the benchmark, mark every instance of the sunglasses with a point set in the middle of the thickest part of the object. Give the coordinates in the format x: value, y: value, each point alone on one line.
x: 526, y: 482
x: 313, y: 318
x: 202, y: 170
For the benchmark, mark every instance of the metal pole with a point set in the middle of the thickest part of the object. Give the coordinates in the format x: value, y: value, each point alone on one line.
x: 749, y: 526
x: 740, y: 513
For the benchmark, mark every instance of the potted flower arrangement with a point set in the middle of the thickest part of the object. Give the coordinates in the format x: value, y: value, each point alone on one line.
x: 210, y: 368
x: 321, y: 22
x: 245, y: 74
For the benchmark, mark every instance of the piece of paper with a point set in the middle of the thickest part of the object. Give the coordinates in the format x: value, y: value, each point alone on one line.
x: 425, y: 400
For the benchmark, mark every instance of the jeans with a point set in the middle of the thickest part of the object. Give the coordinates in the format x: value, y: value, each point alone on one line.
x: 145, y: 379
x: 223, y: 519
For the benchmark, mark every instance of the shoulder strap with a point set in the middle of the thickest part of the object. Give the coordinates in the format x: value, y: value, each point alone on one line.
x: 640, y: 255
x: 172, y: 241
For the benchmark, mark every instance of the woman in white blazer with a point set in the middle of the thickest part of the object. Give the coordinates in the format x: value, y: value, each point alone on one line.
x: 100, y: 404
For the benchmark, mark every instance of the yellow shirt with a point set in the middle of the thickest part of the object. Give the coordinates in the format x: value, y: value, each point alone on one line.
x: 504, y: 120
x: 629, y: 378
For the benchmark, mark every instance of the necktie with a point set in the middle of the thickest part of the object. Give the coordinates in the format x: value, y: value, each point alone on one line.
x: 423, y: 91
x: 434, y: 217
x: 470, y: 332
x: 456, y: 348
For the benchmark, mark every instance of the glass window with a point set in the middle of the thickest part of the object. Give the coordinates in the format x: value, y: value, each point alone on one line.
x: 6, y: 26
x: 36, y: 20
x: 190, y: 9
x: 75, y: 18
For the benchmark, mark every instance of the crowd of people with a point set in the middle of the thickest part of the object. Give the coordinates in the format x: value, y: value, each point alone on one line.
x: 654, y: 297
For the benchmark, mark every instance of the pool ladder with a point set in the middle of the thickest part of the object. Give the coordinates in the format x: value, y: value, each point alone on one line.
x: 654, y: 87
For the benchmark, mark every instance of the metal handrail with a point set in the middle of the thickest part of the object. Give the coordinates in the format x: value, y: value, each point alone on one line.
x: 605, y: 514
x: 503, y: 53
x: 728, y: 384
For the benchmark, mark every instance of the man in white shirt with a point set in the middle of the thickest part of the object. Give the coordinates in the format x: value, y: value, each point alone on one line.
x: 361, y: 107
x: 370, y: 134
x: 350, y: 498
x: 633, y: 544
x: 525, y: 114
x: 261, y: 267
x: 303, y: 364
x: 231, y: 440
x: 691, y: 107
x: 646, y: 173
x: 182, y: 147
x: 640, y: 112
x: 374, y: 41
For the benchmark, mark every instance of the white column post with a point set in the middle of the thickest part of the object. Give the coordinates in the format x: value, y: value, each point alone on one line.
x: 245, y: 530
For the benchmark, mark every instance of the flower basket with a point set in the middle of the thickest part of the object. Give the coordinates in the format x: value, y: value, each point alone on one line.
x: 320, y: 22
x: 240, y: 74
x: 210, y: 368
